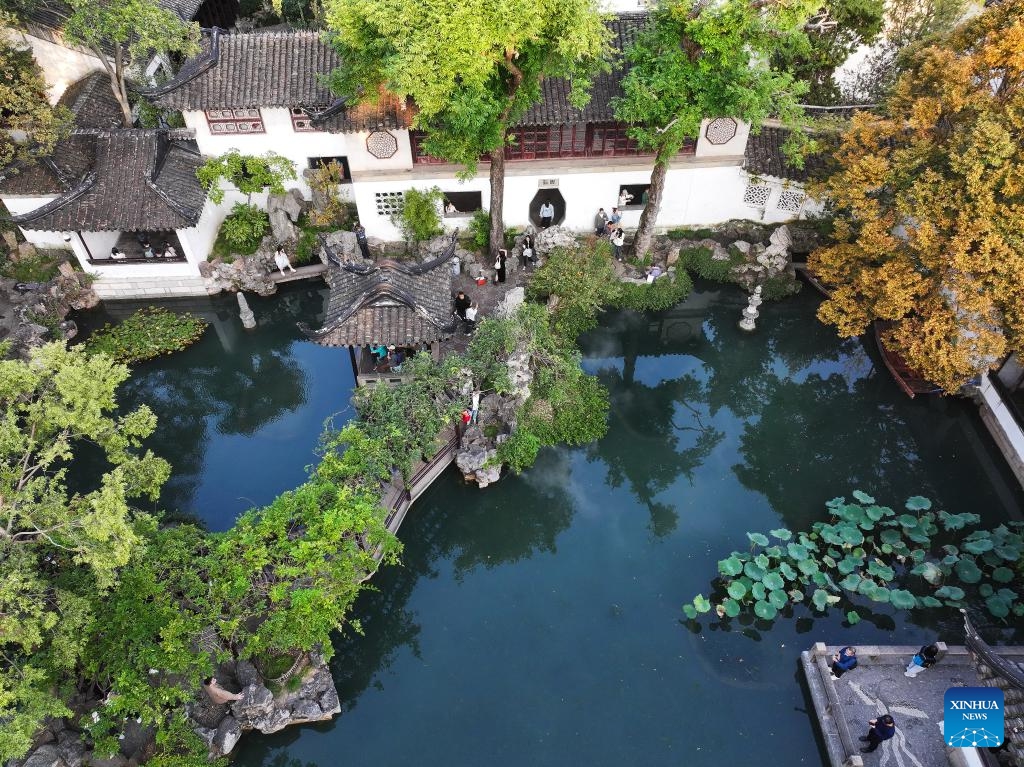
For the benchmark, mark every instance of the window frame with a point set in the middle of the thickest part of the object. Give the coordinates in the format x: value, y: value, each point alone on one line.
x: 228, y: 121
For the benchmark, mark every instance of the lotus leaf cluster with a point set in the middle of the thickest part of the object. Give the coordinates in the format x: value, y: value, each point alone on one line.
x: 918, y: 558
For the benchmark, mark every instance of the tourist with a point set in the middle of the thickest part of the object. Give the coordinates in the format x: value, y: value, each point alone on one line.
x: 547, y: 214
x: 380, y: 351
x: 618, y: 240
x: 396, y: 357
x: 281, y: 259
x: 218, y: 694
x: 470, y: 318
x: 615, y: 217
x: 467, y: 416
x: 462, y: 302
x: 476, y: 406
x: 147, y: 249
x: 644, y: 198
x: 624, y: 198
x: 500, y: 263
x: 882, y: 728
x: 843, y: 661
x: 117, y: 255
x: 364, y: 246
x: 526, y: 256
x: 600, y: 222
x: 926, y: 657
x: 653, y: 273
x: 169, y: 251
x: 449, y: 209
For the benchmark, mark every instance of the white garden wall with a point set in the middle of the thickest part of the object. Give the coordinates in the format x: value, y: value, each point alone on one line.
x: 61, y: 66
x: 18, y: 205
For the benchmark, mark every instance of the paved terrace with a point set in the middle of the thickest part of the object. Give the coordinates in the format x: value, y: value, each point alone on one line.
x: 878, y: 686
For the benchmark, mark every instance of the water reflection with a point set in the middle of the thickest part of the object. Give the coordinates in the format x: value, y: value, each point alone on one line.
x: 239, y: 413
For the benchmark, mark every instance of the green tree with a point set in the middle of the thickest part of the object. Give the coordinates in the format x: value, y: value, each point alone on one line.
x: 58, y: 548
x: 248, y: 173
x: 418, y: 216
x: 701, y: 60
x: 930, y: 207
x: 31, y: 126
x: 472, y: 68
x: 124, y: 33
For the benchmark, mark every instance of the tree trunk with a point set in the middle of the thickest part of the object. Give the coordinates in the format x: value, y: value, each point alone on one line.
x: 645, y: 231
x: 117, y: 84
x: 497, y: 210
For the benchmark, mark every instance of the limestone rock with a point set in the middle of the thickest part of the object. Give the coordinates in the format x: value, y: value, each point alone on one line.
x: 73, y: 752
x: 282, y: 227
x: 305, y: 711
x: 742, y: 246
x: 291, y: 202
x: 719, y: 253
x: 207, y: 734
x: 246, y: 673
x: 329, y: 702
x: 781, y: 237
x: 554, y: 237
x: 343, y: 245
x: 246, y: 273
x: 510, y: 303
x: 25, y: 250
x: 254, y: 705
x: 227, y: 735
x: 46, y: 755
x: 672, y: 255
x: 10, y: 239
x: 276, y: 720
x: 110, y: 760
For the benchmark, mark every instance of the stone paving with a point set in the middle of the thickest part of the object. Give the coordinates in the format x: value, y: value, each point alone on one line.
x: 878, y: 686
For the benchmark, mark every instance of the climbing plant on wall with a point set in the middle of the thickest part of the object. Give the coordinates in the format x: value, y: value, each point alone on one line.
x: 919, y: 558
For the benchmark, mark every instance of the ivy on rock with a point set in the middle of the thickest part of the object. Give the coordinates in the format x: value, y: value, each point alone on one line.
x: 918, y: 558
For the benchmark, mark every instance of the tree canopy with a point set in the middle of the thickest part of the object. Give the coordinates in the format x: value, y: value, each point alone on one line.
x: 698, y: 61
x: 31, y: 126
x: 930, y: 207
x: 470, y: 68
x: 248, y: 173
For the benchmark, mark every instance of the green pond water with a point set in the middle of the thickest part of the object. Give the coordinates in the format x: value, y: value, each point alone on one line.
x: 538, y: 621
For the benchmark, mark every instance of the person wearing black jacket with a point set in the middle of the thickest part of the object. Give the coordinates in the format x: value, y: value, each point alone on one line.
x: 926, y: 657
x: 462, y: 302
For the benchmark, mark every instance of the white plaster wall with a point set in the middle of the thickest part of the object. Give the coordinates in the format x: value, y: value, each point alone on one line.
x: 18, y: 205
x: 61, y: 66
x: 695, y: 195
x: 198, y: 241
x: 299, y: 147
x: 1003, y: 417
x: 733, y: 148
x: 99, y: 245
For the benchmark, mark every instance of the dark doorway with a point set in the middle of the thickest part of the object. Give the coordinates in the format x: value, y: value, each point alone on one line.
x: 547, y: 195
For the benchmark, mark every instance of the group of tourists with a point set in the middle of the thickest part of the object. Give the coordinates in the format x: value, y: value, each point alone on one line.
x: 389, y: 358
x: 609, y: 226
x: 884, y: 727
x: 148, y: 251
x: 466, y: 311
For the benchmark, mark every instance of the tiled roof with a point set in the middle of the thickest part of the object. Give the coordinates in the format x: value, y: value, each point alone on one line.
x: 51, y: 14
x: 554, y: 107
x: 92, y: 103
x: 71, y: 160
x: 141, y: 181
x: 764, y: 157
x: 389, y: 303
x: 248, y: 71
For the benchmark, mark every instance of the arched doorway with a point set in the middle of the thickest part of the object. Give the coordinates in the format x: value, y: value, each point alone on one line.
x: 547, y: 195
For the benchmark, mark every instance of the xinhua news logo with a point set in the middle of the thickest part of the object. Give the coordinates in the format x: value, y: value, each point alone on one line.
x: 974, y: 717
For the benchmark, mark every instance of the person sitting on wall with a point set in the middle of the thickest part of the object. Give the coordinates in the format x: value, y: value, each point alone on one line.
x: 624, y: 198
x: 281, y: 259
x: 462, y: 302
x: 169, y: 251
x: 218, y: 694
x: 147, y: 249
x: 380, y: 352
x: 450, y: 209
x: 117, y: 255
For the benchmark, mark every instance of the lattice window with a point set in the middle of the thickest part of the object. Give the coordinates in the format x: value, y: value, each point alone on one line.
x: 388, y: 202
x: 720, y: 131
x: 301, y: 122
x: 381, y: 144
x: 757, y: 195
x: 223, y: 121
x: 790, y: 200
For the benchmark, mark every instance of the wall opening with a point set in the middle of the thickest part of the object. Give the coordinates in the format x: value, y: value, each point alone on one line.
x: 547, y: 195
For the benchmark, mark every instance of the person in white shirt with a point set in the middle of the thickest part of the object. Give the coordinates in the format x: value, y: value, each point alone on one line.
x: 624, y: 198
x: 281, y: 259
x: 618, y: 240
x: 547, y: 214
x: 117, y: 255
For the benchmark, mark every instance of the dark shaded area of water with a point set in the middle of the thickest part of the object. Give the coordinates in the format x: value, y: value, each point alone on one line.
x: 240, y: 412
x: 538, y: 622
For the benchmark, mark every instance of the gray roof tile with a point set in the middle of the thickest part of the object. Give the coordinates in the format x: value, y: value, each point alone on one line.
x: 764, y: 157
x: 92, y: 103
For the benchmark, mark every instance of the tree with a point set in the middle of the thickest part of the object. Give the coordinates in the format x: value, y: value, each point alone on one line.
x: 930, y: 207
x: 698, y: 60
x: 123, y: 33
x: 814, y: 58
x: 471, y: 68
x: 418, y: 215
x: 31, y: 126
x: 248, y: 173
x: 58, y: 548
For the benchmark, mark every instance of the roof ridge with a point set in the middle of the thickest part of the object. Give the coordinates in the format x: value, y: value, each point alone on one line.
x: 88, y: 181
x: 275, y: 33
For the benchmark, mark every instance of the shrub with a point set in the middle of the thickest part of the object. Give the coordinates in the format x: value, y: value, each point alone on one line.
x: 479, y: 229
x: 418, y: 215
x: 244, y: 228
x: 42, y: 267
x: 664, y: 293
x: 148, y: 333
x: 332, y: 212
x: 247, y: 173
x: 700, y: 262
x: 782, y: 286
x: 520, y: 450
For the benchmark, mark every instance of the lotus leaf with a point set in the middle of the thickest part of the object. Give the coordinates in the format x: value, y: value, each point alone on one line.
x: 902, y: 599
x: 950, y: 549
x: 986, y: 589
x: 885, y: 548
x: 835, y: 503
x: 730, y: 567
x: 950, y: 560
x: 851, y: 512
x: 918, y: 555
x: 967, y: 570
x: 820, y: 599
x: 787, y: 572
x: 998, y: 606
x: 796, y: 595
x: 782, y: 534
x: 819, y: 579
x: 1008, y: 551
x: 991, y: 559
x: 797, y: 551
x: 757, y: 539
x: 879, y: 595
x: 807, y: 566
x: 762, y: 561
x: 690, y: 612
x: 778, y: 599
x: 979, y: 546
x: 874, y: 513
x: 853, y: 617
x: 758, y: 590
x: 851, y: 535
x: 831, y: 535
x: 828, y: 561
x: 701, y: 604
x: 918, y: 503
x: 753, y: 571
x: 892, y: 536
x: 1008, y: 594
x: 950, y: 592
x: 918, y: 537
x: 930, y: 602
x: 930, y: 571
x: 737, y: 590
x: 908, y: 521
x: 731, y: 607
x: 773, y: 551
x: 1018, y: 610
x: 850, y: 582
x: 765, y: 610
x: 866, y: 587
x: 881, y: 570
x: 849, y: 564
x: 773, y: 581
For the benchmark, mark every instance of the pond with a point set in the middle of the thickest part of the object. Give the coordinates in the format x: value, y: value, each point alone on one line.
x: 538, y: 621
